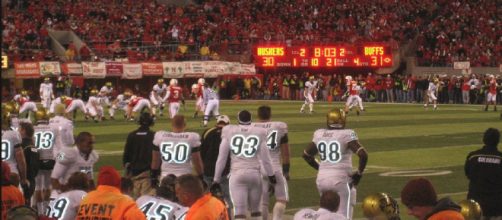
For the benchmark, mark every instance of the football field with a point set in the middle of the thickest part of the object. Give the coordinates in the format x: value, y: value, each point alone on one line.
x: 403, y: 141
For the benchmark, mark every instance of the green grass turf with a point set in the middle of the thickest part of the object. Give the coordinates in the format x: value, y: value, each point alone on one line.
x: 397, y: 137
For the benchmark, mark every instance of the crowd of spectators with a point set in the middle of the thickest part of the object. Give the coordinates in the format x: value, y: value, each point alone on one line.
x: 374, y: 88
x: 148, y: 30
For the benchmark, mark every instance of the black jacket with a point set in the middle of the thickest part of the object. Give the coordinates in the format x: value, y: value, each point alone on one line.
x: 138, y: 150
x: 443, y: 204
x: 209, y: 150
x: 483, y: 168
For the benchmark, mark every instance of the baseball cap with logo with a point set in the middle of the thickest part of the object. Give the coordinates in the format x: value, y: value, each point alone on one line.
x: 223, y: 119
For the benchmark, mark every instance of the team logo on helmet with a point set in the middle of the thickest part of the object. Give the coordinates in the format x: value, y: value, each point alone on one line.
x: 380, y: 206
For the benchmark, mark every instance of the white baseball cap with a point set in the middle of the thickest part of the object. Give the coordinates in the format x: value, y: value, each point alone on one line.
x: 223, y: 118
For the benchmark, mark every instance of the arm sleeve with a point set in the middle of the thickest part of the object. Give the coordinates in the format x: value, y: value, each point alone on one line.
x: 222, y: 159
x: 156, y: 141
x: 67, y: 134
x: 263, y: 154
x: 467, y: 167
x: 204, y: 96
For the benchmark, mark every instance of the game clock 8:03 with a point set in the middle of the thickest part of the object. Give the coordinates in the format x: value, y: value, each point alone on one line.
x: 371, y: 55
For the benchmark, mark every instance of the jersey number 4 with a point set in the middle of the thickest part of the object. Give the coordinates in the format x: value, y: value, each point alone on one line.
x: 44, y: 139
x: 174, y: 153
x: 244, y: 146
x: 160, y: 211
x: 329, y: 151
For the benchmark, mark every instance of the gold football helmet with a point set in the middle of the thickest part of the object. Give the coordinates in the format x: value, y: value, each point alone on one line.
x: 41, y: 115
x: 108, y: 84
x: 380, y: 206
x: 24, y: 92
x: 336, y: 118
x: 160, y: 81
x: 63, y: 98
x: 94, y: 92
x: 7, y: 108
x: 470, y: 209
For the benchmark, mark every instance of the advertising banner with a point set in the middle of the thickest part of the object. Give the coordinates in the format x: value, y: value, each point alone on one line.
x: 94, y: 69
x: 114, y: 68
x: 27, y: 70
x: 50, y: 68
x: 132, y: 71
x: 152, y: 69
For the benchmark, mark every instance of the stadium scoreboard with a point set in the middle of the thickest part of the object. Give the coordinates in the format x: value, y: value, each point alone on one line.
x: 371, y: 55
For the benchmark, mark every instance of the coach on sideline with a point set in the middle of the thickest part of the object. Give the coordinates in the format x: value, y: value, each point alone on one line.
x: 138, y: 156
x: 483, y: 168
x: 209, y: 149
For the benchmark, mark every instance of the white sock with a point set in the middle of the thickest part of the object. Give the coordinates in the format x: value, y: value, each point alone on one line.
x: 264, y: 212
x: 311, y: 106
x: 279, y: 209
x: 303, y: 107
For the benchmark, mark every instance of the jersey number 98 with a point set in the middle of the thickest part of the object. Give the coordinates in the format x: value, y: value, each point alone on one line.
x: 329, y: 151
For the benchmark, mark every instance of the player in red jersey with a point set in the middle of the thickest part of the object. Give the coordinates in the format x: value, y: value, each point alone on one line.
x: 491, y: 96
x: 173, y: 96
x: 198, y: 90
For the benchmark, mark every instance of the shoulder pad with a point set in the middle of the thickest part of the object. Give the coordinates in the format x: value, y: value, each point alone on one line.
x: 67, y: 155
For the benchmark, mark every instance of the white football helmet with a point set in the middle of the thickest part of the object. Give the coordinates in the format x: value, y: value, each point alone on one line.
x: 194, y: 86
x: 173, y: 82
x: 201, y: 81
x: 348, y: 78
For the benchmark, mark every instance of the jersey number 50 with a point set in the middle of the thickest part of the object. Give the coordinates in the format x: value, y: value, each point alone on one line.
x: 174, y: 153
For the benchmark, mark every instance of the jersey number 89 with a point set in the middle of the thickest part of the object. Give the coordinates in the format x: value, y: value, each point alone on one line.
x: 244, y: 146
x: 329, y: 151
x: 174, y: 153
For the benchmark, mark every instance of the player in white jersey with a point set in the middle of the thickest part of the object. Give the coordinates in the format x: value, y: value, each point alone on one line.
x: 46, y: 93
x: 354, y: 99
x: 329, y: 202
x: 120, y: 103
x: 106, y: 93
x: 277, y: 144
x: 23, y: 100
x: 65, y: 205
x: 54, y: 102
x: 15, y: 121
x: 45, y: 136
x: 335, y: 146
x: 94, y: 108
x: 247, y: 147
x: 162, y: 205
x: 431, y: 93
x: 157, y: 96
x: 212, y: 104
x: 178, y: 151
x: 65, y: 128
x: 12, y: 152
x: 80, y: 158
x: 198, y: 91
x: 173, y: 96
x: 310, y: 89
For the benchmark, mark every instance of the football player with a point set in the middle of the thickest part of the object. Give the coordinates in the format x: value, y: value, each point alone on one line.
x: 54, y: 102
x: 65, y: 128
x: 15, y: 121
x: 72, y: 104
x: 23, y: 100
x: 106, y: 93
x: 491, y: 95
x: 120, y: 103
x: 137, y: 104
x: 65, y: 205
x: 176, y: 151
x: 335, y: 146
x: 94, y: 108
x: 354, y: 99
x: 211, y: 103
x: 156, y: 95
x: 12, y: 152
x: 80, y: 158
x: 163, y: 203
x: 431, y: 93
x: 45, y: 136
x: 277, y: 144
x: 198, y: 90
x: 329, y: 202
x: 310, y: 88
x: 46, y: 92
x: 247, y: 147
x: 173, y: 96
